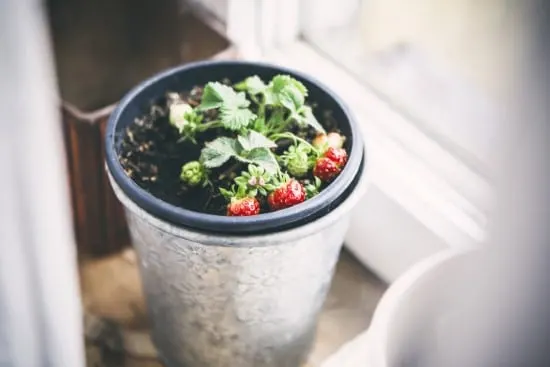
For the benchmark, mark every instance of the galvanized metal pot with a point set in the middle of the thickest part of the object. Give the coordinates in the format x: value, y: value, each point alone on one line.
x: 229, y: 291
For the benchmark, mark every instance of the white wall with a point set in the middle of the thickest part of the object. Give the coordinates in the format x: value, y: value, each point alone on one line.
x: 474, y: 38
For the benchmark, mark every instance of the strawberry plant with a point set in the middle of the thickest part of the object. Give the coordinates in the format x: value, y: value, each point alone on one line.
x: 238, y: 150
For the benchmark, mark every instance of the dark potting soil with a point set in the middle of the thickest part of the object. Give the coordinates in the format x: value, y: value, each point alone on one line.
x: 152, y: 154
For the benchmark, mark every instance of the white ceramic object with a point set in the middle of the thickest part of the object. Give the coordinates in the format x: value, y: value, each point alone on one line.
x: 410, y: 306
x: 387, y: 237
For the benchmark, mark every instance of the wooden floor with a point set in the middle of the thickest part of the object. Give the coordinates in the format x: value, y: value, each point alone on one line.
x: 352, y: 299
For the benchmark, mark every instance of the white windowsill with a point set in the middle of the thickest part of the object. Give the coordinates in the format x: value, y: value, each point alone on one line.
x: 422, y: 199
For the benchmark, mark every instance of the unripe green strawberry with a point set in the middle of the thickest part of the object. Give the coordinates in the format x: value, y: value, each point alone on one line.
x: 193, y: 173
x: 296, y: 160
x: 298, y: 164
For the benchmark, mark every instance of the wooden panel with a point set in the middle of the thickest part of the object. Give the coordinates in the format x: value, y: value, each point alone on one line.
x: 85, y: 163
x: 102, y: 49
x: 105, y: 47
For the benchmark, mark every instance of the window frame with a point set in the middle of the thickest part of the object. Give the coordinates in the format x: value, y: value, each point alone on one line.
x: 435, y: 198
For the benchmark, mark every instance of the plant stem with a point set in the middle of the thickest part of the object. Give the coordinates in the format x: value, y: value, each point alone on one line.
x: 283, y: 126
x: 289, y: 135
x: 209, y: 125
x: 261, y: 105
x: 232, y: 168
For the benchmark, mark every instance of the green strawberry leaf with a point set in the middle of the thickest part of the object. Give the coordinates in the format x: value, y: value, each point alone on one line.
x: 317, y: 182
x: 286, y: 91
x: 253, y: 85
x: 277, y: 117
x: 234, y: 112
x: 259, y: 124
x: 241, y: 181
x: 279, y: 82
x: 219, y: 151
x: 255, y: 140
x: 216, y: 95
x: 226, y: 193
x: 306, y: 117
x: 234, y: 118
x: 270, y: 187
x: 271, y: 98
x: 262, y: 157
x: 291, y: 98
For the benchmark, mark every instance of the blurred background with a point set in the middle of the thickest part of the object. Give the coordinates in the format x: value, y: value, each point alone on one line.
x: 431, y: 82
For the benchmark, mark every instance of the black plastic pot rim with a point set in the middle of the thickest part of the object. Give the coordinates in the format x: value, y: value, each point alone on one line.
x: 300, y: 214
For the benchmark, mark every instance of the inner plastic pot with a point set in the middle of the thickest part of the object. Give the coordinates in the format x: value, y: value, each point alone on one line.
x: 137, y: 102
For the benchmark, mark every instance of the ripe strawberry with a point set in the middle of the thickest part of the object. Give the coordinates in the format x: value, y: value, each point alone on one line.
x: 288, y: 194
x: 337, y: 155
x: 243, y: 207
x: 326, y: 169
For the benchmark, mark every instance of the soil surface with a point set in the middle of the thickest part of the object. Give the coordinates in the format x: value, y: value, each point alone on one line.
x: 152, y: 154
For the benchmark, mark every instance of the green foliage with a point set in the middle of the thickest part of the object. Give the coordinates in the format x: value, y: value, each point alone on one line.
x: 255, y: 140
x: 296, y: 159
x: 234, y: 118
x: 216, y: 95
x: 283, y: 90
x: 193, y: 174
x: 306, y: 117
x: 233, y: 106
x: 313, y: 188
x: 257, y: 116
x: 235, y: 192
x: 263, y: 157
x: 220, y: 150
x: 253, y: 85
x: 255, y: 181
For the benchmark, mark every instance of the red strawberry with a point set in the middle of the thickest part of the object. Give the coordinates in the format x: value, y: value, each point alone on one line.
x: 326, y: 169
x: 337, y: 155
x: 288, y: 194
x: 243, y: 207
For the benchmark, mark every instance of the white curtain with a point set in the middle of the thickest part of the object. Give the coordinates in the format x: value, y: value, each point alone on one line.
x: 40, y: 313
